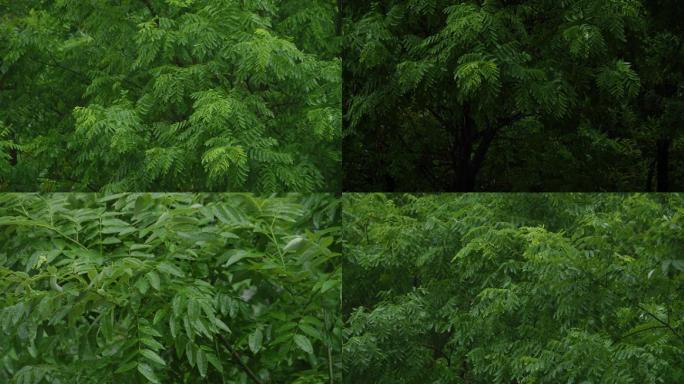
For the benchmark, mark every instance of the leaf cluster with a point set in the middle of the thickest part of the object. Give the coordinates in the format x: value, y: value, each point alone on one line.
x: 156, y: 288
x: 196, y: 95
x: 501, y: 95
x: 530, y: 288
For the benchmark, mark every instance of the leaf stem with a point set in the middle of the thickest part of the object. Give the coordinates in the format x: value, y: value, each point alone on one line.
x: 330, y: 364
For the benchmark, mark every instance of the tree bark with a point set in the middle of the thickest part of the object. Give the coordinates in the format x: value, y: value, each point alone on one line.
x: 469, y: 158
x: 663, y: 164
x: 649, y: 176
x: 338, y: 21
x: 464, y: 176
x: 13, y: 156
x: 383, y: 174
x: 238, y: 359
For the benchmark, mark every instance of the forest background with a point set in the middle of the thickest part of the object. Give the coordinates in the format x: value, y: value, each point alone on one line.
x: 494, y: 95
x: 513, y: 288
x: 170, y: 95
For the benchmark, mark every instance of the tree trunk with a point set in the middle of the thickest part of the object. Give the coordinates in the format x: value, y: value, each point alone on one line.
x: 383, y: 174
x: 461, y: 156
x: 663, y: 164
x: 338, y: 22
x: 464, y: 182
x: 13, y: 156
x: 649, y: 177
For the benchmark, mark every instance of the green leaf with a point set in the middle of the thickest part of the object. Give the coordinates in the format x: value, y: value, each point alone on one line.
x: 126, y: 367
x: 294, y: 244
x: 113, y: 222
x: 255, y: 340
x: 213, y: 360
x: 303, y: 343
x: 153, y: 278
x: 665, y: 266
x: 219, y: 323
x: 153, y: 356
x: 311, y: 331
x: 237, y: 255
x: 170, y: 269
x: 172, y: 327
x: 190, y: 353
x: 142, y: 286
x: 327, y: 284
x: 147, y: 371
x: 150, y: 331
x: 229, y: 215
x: 229, y: 235
x: 108, y: 198
x: 152, y: 343
x: 202, y: 362
x: 54, y: 285
x: 159, y: 315
x: 111, y: 240
x: 117, y: 230
x: 193, y: 310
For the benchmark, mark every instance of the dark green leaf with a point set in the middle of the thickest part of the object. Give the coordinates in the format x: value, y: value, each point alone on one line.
x: 152, y: 356
x: 147, y: 371
x: 303, y: 343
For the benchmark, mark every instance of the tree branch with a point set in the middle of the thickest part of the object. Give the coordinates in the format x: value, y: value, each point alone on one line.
x: 488, y: 137
x: 483, y: 147
x: 666, y: 325
x: 238, y: 359
x: 639, y: 331
x: 57, y: 65
x: 330, y: 364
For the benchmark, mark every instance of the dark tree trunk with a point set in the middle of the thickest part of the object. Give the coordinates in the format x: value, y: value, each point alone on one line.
x: 461, y: 155
x: 468, y: 157
x: 649, y: 177
x: 464, y: 371
x: 663, y: 165
x: 13, y: 157
x: 464, y: 182
x: 383, y: 175
x: 390, y: 184
x: 338, y: 22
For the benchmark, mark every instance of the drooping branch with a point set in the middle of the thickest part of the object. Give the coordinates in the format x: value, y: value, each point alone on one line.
x: 238, y: 359
x: 488, y: 137
x: 665, y: 324
x: 640, y: 331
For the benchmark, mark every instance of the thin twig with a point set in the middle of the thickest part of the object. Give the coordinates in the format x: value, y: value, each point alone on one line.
x: 330, y: 364
x: 641, y: 330
x: 656, y: 318
x: 238, y: 360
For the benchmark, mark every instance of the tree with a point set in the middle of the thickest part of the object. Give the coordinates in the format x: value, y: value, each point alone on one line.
x: 513, y: 288
x: 170, y: 95
x: 169, y: 288
x: 511, y: 95
x: 661, y: 100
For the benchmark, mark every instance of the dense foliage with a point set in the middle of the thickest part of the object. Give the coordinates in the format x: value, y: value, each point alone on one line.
x: 169, y: 95
x: 513, y: 289
x: 513, y: 95
x: 169, y: 288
